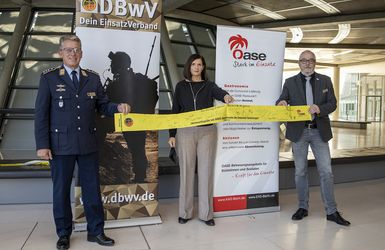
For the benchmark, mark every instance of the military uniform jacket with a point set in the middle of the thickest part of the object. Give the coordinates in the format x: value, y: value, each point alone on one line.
x: 323, y: 94
x: 65, y: 117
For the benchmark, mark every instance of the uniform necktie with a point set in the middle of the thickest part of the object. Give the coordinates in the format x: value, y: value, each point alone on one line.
x: 75, y: 79
x: 309, y: 93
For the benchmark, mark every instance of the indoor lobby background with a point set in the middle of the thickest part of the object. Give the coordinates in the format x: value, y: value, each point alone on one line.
x: 347, y: 36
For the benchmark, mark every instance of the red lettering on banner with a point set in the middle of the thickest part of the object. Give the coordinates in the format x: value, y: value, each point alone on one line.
x: 227, y: 203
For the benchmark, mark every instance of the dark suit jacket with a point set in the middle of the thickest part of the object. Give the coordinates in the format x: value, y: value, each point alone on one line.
x: 65, y: 116
x: 293, y: 93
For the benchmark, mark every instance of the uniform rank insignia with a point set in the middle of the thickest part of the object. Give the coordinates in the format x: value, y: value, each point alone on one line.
x: 60, y: 88
x: 62, y: 72
x: 91, y: 94
x: 84, y: 73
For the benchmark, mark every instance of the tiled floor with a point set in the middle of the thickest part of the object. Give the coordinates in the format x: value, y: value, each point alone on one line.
x: 363, y: 203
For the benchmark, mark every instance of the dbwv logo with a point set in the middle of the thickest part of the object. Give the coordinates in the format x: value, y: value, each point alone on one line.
x: 238, y: 44
x: 119, y: 7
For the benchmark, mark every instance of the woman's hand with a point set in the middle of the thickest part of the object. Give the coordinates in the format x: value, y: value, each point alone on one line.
x: 228, y: 99
x: 172, y: 142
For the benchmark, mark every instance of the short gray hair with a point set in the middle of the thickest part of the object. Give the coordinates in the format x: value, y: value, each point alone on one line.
x: 69, y: 37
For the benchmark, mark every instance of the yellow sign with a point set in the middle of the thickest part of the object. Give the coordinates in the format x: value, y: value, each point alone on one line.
x: 225, y: 113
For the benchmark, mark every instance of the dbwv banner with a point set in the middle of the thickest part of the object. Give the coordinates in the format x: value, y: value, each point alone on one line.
x: 249, y: 65
x: 121, y: 42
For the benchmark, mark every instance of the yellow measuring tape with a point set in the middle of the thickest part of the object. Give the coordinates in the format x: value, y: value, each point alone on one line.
x: 233, y: 113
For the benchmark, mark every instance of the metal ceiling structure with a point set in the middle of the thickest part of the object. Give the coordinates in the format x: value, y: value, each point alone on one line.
x: 341, y: 32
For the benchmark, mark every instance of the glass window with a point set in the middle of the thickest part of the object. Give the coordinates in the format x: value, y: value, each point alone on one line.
x: 30, y: 71
x: 8, y: 20
x: 23, y: 98
x: 11, y: 139
x: 42, y: 46
x: 163, y: 82
x: 209, y: 55
x: 211, y: 75
x: 178, y: 31
x: 165, y: 100
x: 52, y: 22
x: 4, y: 44
x: 202, y: 35
x: 182, y: 52
x: 1, y: 67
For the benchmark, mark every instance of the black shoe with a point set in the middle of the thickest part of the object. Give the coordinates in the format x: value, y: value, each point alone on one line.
x: 337, y: 218
x: 210, y: 222
x: 182, y: 220
x: 63, y: 242
x: 301, y: 212
x: 101, y: 239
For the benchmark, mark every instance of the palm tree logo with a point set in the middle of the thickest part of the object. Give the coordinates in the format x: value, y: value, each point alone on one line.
x: 236, y: 43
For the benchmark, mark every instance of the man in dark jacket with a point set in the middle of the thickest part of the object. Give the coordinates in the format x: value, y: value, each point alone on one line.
x: 65, y: 133
x: 315, y: 90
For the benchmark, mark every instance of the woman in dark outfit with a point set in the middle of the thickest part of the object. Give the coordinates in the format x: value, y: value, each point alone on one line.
x: 195, y: 92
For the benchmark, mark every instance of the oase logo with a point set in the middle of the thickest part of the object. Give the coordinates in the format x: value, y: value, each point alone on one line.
x: 238, y: 46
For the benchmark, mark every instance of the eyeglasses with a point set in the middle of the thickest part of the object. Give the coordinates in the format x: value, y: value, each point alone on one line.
x: 71, y: 50
x: 305, y: 61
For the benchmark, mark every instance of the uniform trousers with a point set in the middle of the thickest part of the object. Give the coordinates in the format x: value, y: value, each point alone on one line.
x: 196, y: 145
x: 62, y: 168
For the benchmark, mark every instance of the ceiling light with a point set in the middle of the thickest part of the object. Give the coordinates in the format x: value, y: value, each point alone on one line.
x: 259, y: 10
x: 297, y: 35
x: 328, y: 8
x: 343, y: 32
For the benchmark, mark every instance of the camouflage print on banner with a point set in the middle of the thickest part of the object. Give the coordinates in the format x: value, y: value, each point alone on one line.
x: 119, y: 14
x: 123, y: 201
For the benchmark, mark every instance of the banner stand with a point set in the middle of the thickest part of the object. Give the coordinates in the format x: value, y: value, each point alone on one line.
x: 249, y: 65
x: 79, y: 227
x: 247, y: 211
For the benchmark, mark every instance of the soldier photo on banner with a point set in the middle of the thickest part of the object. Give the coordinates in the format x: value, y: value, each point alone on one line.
x: 128, y: 148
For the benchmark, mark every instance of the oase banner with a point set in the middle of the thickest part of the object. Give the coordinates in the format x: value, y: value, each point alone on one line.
x: 121, y: 42
x: 249, y: 64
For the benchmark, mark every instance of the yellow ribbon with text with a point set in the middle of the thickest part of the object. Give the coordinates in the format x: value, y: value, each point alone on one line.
x: 225, y: 113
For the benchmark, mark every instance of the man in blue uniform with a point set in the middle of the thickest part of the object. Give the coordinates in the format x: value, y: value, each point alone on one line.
x: 65, y: 132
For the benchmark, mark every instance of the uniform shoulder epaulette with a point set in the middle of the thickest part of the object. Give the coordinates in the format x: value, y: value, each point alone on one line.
x: 91, y: 71
x: 50, y: 70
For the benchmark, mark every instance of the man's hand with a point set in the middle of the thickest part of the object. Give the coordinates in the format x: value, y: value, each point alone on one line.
x: 282, y: 103
x: 314, y: 109
x: 172, y: 142
x: 228, y: 99
x: 124, y: 108
x: 44, y: 154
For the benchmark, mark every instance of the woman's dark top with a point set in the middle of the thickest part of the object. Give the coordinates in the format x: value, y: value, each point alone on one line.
x: 190, y: 96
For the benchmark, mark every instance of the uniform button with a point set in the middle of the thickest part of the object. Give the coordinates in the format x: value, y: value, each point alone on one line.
x: 77, y: 96
x: 79, y: 128
x: 78, y: 107
x: 56, y: 130
x: 60, y: 97
x: 78, y: 117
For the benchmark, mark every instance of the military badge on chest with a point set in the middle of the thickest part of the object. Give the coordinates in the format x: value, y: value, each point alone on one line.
x: 61, y: 102
x: 60, y: 88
